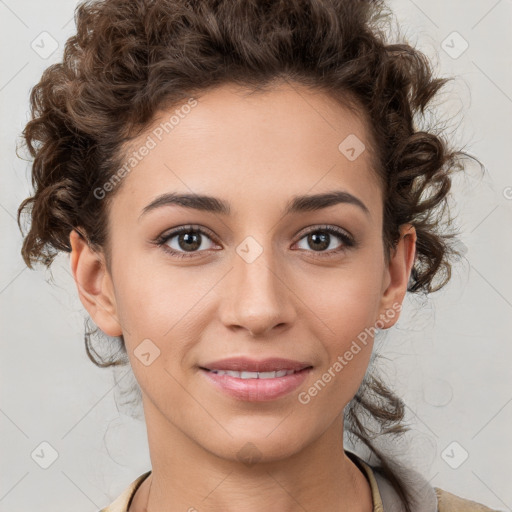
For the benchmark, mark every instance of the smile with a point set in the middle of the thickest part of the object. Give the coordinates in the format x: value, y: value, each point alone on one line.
x: 254, y: 375
x: 255, y: 386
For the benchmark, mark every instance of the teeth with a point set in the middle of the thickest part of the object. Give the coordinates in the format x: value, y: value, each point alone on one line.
x: 254, y: 375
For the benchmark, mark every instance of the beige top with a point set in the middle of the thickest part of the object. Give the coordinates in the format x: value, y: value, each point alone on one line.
x: 443, y: 500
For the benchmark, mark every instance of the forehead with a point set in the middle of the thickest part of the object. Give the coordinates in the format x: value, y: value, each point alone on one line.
x: 259, y: 147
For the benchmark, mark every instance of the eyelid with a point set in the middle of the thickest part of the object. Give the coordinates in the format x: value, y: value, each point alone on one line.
x: 161, y: 240
x: 329, y: 228
x: 186, y: 228
x: 347, y: 240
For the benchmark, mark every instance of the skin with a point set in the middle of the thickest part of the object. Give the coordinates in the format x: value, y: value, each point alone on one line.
x: 255, y: 152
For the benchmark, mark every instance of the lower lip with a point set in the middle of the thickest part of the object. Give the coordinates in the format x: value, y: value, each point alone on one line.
x: 257, y: 390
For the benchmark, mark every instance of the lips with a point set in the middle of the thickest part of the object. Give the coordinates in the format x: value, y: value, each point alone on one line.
x: 256, y: 389
x: 244, y: 367
x: 254, y: 380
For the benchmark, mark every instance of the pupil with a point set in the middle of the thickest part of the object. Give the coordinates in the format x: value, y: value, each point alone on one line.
x: 323, y: 238
x: 188, y: 238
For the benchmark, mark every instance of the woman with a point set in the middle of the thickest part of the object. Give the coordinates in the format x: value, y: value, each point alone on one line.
x: 189, y: 155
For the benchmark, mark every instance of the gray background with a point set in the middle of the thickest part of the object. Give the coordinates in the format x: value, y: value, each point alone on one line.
x: 449, y: 357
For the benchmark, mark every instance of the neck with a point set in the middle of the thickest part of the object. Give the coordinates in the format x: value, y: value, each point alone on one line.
x: 318, y: 477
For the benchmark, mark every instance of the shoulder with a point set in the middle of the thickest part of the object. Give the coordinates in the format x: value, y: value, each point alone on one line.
x: 448, y: 502
x: 123, y: 501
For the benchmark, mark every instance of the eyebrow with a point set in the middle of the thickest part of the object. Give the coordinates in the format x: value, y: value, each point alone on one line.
x: 297, y: 204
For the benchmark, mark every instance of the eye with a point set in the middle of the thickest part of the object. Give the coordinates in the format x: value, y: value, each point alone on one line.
x: 188, y: 241
x: 321, y: 239
x: 185, y: 241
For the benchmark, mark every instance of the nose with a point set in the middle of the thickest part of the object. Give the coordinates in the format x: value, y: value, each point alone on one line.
x: 258, y: 297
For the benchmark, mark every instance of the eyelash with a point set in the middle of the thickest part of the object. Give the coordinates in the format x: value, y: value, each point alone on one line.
x: 161, y: 241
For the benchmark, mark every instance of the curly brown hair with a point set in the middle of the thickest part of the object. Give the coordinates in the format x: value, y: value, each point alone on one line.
x: 130, y: 59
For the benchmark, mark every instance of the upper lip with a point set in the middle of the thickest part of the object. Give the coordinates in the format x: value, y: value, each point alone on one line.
x: 252, y: 365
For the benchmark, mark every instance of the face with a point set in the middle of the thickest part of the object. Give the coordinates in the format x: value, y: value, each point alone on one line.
x: 265, y: 276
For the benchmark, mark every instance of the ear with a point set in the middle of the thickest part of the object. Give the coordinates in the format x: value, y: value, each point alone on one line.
x: 399, y: 268
x: 94, y: 284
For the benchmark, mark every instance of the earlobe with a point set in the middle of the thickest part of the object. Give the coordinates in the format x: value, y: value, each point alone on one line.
x: 398, y: 273
x: 94, y: 285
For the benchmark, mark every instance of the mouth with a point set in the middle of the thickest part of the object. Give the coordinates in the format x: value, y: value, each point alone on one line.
x: 256, y: 381
x: 256, y: 375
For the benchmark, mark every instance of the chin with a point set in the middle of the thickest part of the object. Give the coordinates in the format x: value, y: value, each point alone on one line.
x: 259, y: 447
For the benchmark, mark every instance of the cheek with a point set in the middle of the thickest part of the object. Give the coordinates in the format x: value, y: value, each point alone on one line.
x: 346, y: 336
x: 343, y: 307
x: 346, y: 299
x: 162, y: 313
x: 158, y: 300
